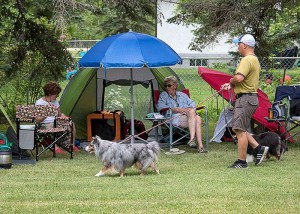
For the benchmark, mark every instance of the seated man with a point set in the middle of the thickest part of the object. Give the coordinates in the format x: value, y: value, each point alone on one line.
x: 184, y: 110
x: 51, y: 92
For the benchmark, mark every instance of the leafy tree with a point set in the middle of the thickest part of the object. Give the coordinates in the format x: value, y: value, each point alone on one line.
x: 85, y: 25
x: 271, y: 22
x: 31, y: 52
x: 32, y: 35
x: 110, y: 17
x: 125, y: 15
x: 27, y: 33
x: 34, y: 27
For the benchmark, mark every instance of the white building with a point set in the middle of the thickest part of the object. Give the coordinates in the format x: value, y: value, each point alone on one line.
x: 179, y: 37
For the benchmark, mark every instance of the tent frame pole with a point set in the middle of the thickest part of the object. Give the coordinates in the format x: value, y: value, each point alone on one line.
x: 131, y: 106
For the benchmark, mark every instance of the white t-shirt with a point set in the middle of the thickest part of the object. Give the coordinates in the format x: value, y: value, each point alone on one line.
x: 45, y: 103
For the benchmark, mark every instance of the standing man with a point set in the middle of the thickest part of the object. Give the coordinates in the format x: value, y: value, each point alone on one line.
x: 245, y: 85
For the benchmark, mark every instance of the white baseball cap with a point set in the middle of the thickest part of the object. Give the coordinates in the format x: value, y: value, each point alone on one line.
x: 247, y: 39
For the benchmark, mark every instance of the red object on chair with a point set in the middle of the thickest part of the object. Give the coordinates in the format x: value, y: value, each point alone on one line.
x: 186, y: 91
x: 156, y: 96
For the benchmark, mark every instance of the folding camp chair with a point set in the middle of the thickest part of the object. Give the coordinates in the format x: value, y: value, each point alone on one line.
x: 182, y: 132
x: 286, y: 108
x: 31, y: 135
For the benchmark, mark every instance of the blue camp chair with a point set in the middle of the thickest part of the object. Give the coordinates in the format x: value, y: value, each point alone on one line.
x: 286, y: 108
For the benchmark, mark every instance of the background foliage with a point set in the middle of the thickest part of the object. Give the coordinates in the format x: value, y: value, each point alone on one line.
x: 33, y: 32
x: 33, y: 35
x: 271, y: 22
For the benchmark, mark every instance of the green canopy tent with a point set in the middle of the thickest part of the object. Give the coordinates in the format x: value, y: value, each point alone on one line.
x: 7, y: 117
x: 85, y: 92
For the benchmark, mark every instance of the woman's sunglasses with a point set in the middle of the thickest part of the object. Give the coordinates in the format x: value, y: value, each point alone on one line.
x: 168, y: 86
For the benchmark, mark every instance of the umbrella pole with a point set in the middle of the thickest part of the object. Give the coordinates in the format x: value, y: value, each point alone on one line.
x: 131, y: 106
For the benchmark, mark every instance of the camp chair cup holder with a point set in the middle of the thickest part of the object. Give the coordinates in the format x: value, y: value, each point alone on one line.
x: 279, y: 110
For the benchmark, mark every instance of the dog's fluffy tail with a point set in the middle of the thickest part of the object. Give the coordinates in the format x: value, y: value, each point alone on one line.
x: 149, y: 154
x: 154, y: 146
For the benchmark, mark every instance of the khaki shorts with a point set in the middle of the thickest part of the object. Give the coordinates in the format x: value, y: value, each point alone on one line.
x: 244, y: 108
x: 180, y: 120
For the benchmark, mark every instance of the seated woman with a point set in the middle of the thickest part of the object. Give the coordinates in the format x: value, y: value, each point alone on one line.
x: 71, y: 71
x: 51, y: 92
x: 184, y: 111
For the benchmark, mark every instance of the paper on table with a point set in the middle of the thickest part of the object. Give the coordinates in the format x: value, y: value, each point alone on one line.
x: 158, y: 116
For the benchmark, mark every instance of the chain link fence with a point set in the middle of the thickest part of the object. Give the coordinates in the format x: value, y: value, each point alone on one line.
x: 273, y: 71
x: 272, y: 75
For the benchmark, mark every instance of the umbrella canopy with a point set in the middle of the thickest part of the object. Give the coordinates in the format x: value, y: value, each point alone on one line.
x: 216, y: 78
x: 130, y: 50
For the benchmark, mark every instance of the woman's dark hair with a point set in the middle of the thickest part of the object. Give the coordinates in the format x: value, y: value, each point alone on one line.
x: 51, y: 88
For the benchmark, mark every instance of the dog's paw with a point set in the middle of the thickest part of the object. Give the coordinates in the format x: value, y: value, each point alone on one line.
x: 99, y: 174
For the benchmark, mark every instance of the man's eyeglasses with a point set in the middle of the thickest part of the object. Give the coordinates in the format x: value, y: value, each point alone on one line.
x: 168, y: 86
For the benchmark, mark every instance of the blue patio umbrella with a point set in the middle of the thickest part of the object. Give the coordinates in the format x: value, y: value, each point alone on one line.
x: 130, y: 50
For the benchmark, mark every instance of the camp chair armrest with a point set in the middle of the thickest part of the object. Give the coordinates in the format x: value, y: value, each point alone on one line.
x: 63, y: 119
x: 200, y: 107
x: 30, y: 120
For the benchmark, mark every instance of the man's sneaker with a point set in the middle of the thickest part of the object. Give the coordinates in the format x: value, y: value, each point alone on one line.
x: 238, y: 165
x: 261, y: 155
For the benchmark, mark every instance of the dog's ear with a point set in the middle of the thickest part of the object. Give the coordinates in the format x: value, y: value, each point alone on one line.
x: 95, y: 139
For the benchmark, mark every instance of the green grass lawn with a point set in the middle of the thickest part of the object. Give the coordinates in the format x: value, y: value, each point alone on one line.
x: 188, y: 183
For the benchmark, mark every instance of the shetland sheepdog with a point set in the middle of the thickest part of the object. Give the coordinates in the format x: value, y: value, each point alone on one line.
x: 117, y: 157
